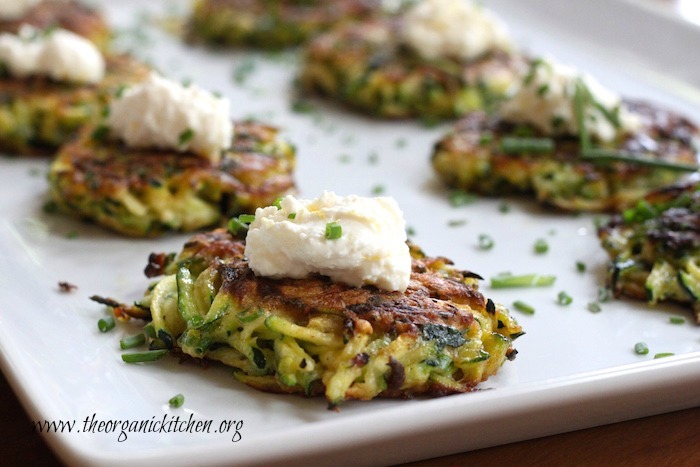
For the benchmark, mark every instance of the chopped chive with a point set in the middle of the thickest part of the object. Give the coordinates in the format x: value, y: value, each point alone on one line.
x: 141, y: 357
x: 72, y: 235
x: 106, y: 324
x: 606, y: 156
x: 640, y: 348
x: 401, y: 143
x: 580, y: 266
x: 239, y: 224
x: 300, y: 106
x: 185, y: 137
x: 581, y: 98
x: 344, y: 159
x: 410, y: 231
x: 541, y: 246
x: 513, y: 145
x: 456, y: 222
x: 130, y: 342
x: 594, y: 307
x: 485, y: 242
x: 292, y: 215
x: 276, y: 203
x: 504, y: 208
x: 676, y: 320
x: 461, y: 198
x: 526, y: 280
x: 523, y: 307
x: 604, y: 294
x: 176, y: 401
x: 564, y: 298
x: 664, y: 354
x: 333, y: 231
x: 373, y: 158
x: 378, y: 189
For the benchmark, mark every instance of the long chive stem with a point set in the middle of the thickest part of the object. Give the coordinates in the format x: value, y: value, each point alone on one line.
x: 525, y: 280
x: 606, y: 156
x: 141, y: 357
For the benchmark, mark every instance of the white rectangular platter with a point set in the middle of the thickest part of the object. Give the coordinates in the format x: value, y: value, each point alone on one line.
x: 574, y: 369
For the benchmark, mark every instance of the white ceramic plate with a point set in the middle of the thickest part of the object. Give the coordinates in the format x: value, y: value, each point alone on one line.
x: 575, y: 368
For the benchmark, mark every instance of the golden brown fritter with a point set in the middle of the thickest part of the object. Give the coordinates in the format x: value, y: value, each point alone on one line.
x: 145, y: 192
x: 364, y: 66
x: 38, y: 114
x: 266, y: 24
x: 654, y: 247
x: 314, y: 336
x: 472, y: 157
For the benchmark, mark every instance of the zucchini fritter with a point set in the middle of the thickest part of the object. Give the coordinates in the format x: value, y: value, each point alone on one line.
x: 364, y: 66
x: 144, y: 192
x: 267, y: 24
x: 474, y: 157
x: 654, y: 247
x: 67, y: 14
x: 313, y: 336
x: 38, y: 114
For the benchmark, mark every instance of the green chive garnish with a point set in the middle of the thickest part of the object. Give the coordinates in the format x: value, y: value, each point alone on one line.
x: 106, y: 324
x: 664, y: 354
x: 604, y: 294
x: 523, y: 307
x: 141, y: 357
x: 606, y: 156
x: 580, y: 266
x: 239, y: 224
x: 461, y: 198
x: 541, y: 246
x: 564, y: 298
x: 176, y: 401
x: 594, y: 307
x: 640, y: 348
x: 514, y: 145
x: 292, y: 215
x: 485, y: 242
x: 185, y: 137
x: 527, y: 280
x: 277, y: 203
x: 504, y: 208
x: 378, y: 189
x: 676, y: 320
x: 129, y: 342
x: 456, y: 222
x: 333, y: 231
x: 581, y: 98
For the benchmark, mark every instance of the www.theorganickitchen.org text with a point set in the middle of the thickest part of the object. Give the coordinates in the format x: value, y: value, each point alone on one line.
x: 124, y: 428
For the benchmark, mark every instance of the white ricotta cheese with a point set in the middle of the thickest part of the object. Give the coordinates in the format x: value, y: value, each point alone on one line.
x: 58, y: 54
x: 15, y: 9
x: 291, y: 241
x: 453, y: 28
x: 161, y: 113
x: 546, y: 99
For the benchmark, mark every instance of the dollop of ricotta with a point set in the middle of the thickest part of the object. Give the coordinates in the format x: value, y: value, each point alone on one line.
x: 290, y: 241
x: 59, y: 54
x: 161, y: 113
x: 545, y: 98
x: 453, y: 29
x: 15, y: 9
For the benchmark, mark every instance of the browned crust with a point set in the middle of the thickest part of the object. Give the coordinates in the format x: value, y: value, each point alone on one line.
x: 427, y: 299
